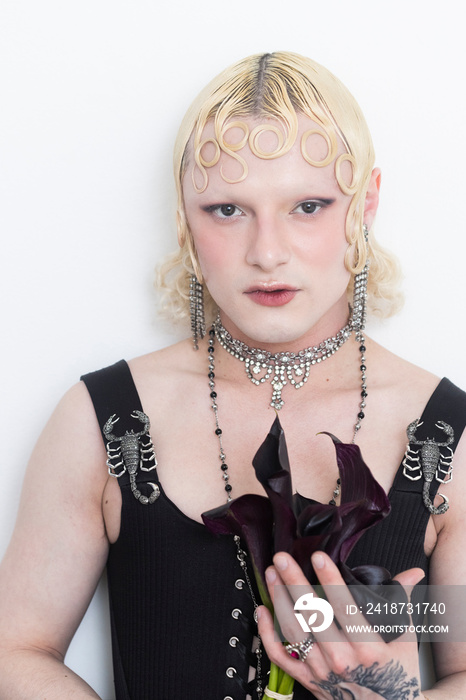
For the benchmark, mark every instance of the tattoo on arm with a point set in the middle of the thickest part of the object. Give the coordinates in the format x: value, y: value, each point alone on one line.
x: 390, y: 682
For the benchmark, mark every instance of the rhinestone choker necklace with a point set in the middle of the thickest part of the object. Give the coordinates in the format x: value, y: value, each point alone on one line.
x: 281, y: 367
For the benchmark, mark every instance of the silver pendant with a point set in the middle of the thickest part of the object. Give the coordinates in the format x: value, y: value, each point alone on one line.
x: 431, y: 460
x: 131, y: 452
x: 280, y: 368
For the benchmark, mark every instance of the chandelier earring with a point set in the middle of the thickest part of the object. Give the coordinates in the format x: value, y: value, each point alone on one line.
x: 196, y: 310
x: 358, y: 316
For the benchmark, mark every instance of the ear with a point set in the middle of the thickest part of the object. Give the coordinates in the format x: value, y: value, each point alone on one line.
x: 372, y: 198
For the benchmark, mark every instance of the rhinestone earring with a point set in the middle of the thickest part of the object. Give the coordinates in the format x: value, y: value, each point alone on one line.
x: 358, y: 317
x: 196, y: 310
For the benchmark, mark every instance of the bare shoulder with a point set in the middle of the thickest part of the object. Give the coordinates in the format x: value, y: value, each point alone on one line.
x: 163, y: 372
x: 399, y: 380
x: 64, y: 470
x: 71, y: 432
x: 171, y: 358
x: 397, y: 394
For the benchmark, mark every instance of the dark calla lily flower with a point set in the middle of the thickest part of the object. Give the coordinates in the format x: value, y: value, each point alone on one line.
x: 300, y: 526
x: 363, y: 504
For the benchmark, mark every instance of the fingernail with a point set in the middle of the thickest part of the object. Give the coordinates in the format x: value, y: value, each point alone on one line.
x: 318, y: 561
x: 258, y: 613
x: 270, y: 575
x: 280, y: 562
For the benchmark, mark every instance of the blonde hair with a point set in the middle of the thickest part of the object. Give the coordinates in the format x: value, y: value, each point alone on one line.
x: 280, y: 85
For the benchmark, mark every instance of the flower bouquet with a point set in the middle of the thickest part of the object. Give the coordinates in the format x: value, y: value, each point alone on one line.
x: 280, y: 522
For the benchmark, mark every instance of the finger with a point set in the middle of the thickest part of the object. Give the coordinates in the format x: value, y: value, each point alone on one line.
x: 298, y: 603
x: 340, y: 598
x: 277, y: 653
x: 274, y: 647
x: 409, y: 578
x: 283, y: 604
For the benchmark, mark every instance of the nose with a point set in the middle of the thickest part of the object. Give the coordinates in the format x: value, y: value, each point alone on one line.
x: 268, y: 247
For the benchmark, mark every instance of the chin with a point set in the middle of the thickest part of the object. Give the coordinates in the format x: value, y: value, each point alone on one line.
x: 282, y: 328
x: 262, y: 334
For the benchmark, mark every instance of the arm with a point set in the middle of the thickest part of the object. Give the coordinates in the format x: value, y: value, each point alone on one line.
x: 448, y: 568
x: 56, y: 556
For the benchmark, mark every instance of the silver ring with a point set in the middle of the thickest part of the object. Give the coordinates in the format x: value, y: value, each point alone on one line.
x: 300, y: 650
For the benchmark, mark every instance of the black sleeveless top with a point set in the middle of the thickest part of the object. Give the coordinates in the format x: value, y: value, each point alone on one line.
x: 181, y: 611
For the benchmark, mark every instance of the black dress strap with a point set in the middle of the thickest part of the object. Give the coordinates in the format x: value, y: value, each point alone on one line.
x: 447, y: 404
x: 112, y: 390
x: 113, y: 393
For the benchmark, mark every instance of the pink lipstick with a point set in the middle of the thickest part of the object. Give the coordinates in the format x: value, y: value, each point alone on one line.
x: 276, y: 295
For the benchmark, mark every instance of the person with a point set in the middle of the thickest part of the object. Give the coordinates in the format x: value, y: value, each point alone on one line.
x: 277, y: 197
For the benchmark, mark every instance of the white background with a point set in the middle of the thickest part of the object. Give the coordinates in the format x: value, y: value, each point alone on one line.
x: 92, y: 93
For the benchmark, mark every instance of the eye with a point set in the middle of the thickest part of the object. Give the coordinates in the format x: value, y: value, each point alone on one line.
x: 309, y: 207
x: 224, y: 211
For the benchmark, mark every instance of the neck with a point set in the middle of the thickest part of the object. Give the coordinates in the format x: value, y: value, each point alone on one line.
x: 319, y: 347
x: 276, y: 337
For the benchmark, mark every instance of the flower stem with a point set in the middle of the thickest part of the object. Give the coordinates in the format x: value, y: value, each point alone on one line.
x: 279, y: 681
x: 274, y: 677
x: 286, y: 685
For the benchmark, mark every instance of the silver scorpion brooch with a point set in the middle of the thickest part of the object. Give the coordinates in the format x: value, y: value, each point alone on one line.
x: 429, y: 461
x: 130, y: 452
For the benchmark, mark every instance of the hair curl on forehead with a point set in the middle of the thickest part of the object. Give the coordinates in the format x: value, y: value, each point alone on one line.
x: 273, y: 89
x: 273, y: 94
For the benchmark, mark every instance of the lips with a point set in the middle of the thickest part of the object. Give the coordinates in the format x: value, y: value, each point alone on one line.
x: 273, y: 295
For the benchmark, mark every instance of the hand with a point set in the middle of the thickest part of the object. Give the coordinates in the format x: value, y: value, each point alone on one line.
x: 336, y: 667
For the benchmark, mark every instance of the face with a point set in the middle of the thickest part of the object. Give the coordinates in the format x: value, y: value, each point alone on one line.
x: 271, y: 248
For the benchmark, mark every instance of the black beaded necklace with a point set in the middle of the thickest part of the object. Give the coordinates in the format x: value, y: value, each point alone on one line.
x: 213, y: 332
